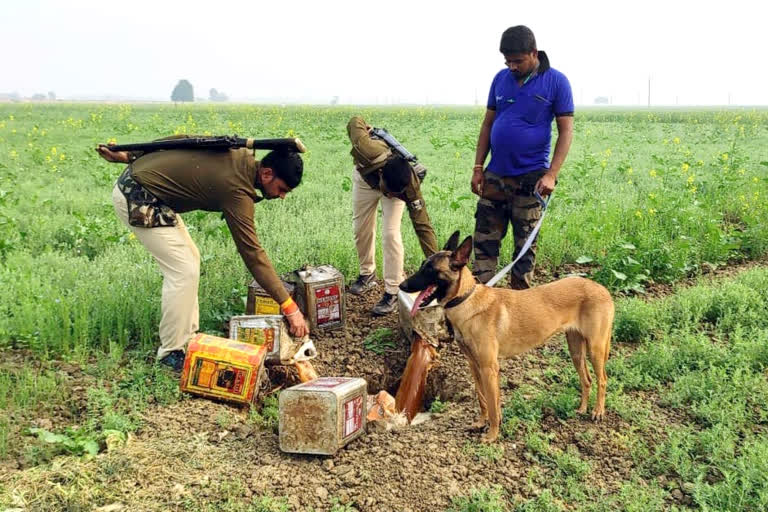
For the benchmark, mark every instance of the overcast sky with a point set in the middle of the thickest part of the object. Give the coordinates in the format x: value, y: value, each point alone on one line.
x: 695, y: 53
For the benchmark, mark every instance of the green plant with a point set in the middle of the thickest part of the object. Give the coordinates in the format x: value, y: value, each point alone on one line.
x: 437, y: 406
x: 267, y: 417
x: 380, y: 341
x: 74, y: 442
x: 486, y: 499
x: 337, y: 506
x: 487, y: 452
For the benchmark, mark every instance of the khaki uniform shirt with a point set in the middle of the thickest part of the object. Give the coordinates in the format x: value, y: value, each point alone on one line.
x: 216, y: 181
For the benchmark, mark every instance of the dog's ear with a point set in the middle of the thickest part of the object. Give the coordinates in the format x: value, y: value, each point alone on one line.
x: 452, y: 242
x: 460, y: 257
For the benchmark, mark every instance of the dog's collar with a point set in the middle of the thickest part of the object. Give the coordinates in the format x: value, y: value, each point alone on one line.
x: 458, y: 300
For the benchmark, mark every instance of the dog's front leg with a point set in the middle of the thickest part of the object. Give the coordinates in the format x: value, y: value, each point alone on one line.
x: 489, y: 377
x: 482, y: 419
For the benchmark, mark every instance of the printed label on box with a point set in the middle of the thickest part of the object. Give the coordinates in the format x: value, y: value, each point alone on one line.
x: 267, y: 306
x: 257, y: 336
x: 328, y: 302
x: 326, y: 383
x: 353, y: 415
x: 213, y: 375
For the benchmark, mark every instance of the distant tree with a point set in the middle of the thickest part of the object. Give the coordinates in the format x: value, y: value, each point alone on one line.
x: 38, y: 97
x: 335, y: 100
x: 601, y: 100
x: 183, y: 91
x: 215, y: 95
x: 51, y: 95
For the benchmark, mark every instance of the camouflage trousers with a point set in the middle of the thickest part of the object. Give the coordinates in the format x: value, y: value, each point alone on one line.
x: 505, y: 201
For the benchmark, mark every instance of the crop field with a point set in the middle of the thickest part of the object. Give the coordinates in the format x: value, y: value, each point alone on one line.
x: 667, y: 209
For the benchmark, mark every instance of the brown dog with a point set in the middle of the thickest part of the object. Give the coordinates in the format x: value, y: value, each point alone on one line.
x: 493, y: 323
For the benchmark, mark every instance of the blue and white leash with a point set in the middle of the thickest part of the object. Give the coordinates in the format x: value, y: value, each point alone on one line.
x: 527, y: 245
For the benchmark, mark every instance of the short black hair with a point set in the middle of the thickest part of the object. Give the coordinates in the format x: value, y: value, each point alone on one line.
x: 287, y: 165
x: 518, y: 39
x: 396, y: 174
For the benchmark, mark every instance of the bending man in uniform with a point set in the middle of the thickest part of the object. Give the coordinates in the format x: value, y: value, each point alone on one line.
x: 157, y: 186
x: 381, y: 175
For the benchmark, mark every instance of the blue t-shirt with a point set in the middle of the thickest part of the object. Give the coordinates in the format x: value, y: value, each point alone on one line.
x: 522, y: 129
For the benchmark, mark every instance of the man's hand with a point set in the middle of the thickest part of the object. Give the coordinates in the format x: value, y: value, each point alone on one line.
x: 112, y: 156
x: 298, y: 326
x: 478, y: 179
x: 546, y: 184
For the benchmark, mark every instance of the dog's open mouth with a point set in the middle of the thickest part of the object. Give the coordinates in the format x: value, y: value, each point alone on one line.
x: 425, y: 297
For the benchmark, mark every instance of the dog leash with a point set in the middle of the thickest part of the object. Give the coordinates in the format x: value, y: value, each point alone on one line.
x: 527, y: 245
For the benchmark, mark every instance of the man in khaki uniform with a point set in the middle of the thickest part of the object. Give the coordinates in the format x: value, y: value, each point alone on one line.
x: 382, y: 176
x: 157, y: 186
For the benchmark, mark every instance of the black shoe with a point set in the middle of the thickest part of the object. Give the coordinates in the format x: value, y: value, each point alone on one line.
x: 386, y: 305
x: 362, y: 284
x: 174, y: 360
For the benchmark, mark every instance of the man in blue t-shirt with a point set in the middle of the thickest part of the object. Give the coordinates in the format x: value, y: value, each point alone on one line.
x: 517, y: 129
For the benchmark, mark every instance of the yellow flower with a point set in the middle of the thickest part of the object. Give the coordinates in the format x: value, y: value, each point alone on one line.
x: 651, y: 196
x: 652, y: 172
x: 691, y: 178
x: 742, y: 171
x: 676, y: 140
x: 607, y: 152
x: 131, y: 236
x: 112, y: 141
x: 61, y: 157
x: 629, y: 182
x: 651, y: 211
x: 754, y: 179
x: 724, y: 157
x: 48, y: 158
x: 630, y: 171
x: 10, y: 118
x: 53, y: 150
x: 14, y: 154
x: 693, y: 190
x: 685, y: 167
x: 639, y: 214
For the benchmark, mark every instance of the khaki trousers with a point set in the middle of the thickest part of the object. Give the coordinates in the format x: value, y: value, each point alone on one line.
x: 179, y: 261
x: 364, y: 205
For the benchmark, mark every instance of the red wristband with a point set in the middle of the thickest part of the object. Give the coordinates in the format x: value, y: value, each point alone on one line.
x: 289, y: 307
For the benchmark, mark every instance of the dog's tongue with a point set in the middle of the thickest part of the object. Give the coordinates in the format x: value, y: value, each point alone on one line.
x: 420, y: 299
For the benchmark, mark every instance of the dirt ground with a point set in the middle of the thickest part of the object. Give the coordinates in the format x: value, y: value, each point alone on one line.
x: 198, y: 449
x: 192, y: 448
